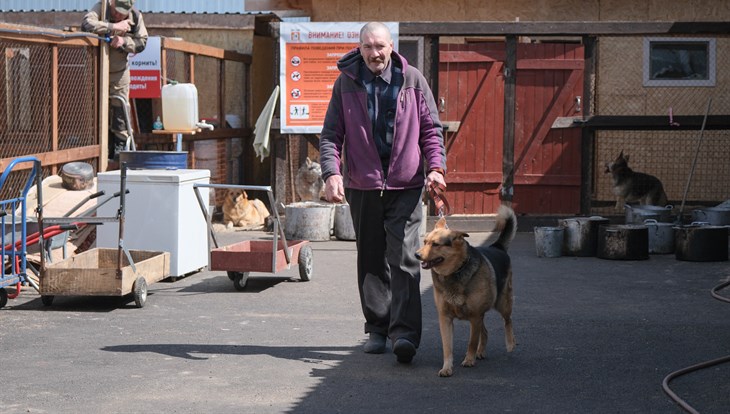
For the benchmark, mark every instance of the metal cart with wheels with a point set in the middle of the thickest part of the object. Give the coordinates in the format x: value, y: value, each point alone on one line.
x: 242, y: 258
x: 13, y: 245
x: 100, y: 271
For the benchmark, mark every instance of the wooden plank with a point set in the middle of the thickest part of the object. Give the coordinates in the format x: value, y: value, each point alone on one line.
x: 587, y: 136
x: 54, y: 103
x: 567, y: 28
x: 474, y: 177
x: 654, y: 122
x: 508, y: 145
x: 56, y: 157
x: 94, y: 273
x: 550, y: 64
x: 204, y: 50
x: 456, y: 56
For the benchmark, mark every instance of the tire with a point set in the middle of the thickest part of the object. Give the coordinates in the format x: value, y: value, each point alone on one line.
x: 239, y: 280
x: 232, y: 275
x: 47, y: 300
x: 140, y: 292
x: 305, y: 263
x: 3, y: 297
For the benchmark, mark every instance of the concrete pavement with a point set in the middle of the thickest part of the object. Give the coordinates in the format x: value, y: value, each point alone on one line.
x: 594, y: 336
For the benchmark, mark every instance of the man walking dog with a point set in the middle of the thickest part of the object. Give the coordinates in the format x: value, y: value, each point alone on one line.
x: 381, y: 141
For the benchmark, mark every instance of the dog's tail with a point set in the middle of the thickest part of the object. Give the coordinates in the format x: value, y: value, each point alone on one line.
x: 506, y: 226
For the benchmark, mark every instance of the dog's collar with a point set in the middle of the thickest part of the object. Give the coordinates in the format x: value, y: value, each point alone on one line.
x: 470, y: 265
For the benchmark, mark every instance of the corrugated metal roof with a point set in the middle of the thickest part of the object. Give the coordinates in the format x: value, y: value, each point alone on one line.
x: 150, y: 6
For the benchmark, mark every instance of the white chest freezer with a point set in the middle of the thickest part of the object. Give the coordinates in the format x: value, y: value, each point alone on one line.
x: 162, y: 213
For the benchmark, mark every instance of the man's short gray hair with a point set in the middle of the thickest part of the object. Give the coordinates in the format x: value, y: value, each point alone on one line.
x: 374, y: 27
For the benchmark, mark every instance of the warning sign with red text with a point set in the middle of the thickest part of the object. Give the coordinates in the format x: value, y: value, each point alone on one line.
x: 309, y: 55
x: 144, y: 71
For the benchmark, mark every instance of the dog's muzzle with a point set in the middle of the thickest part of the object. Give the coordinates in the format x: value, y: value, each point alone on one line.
x: 427, y: 264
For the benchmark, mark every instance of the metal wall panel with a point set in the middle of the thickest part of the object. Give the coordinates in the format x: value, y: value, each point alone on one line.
x: 152, y: 6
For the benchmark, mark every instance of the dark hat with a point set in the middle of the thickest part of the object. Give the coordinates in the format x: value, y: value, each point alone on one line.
x: 123, y: 6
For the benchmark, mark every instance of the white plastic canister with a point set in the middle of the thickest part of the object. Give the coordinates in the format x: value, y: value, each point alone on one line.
x: 180, y: 106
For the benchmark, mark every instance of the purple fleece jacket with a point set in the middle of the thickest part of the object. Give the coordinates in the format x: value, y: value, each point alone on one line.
x: 417, y: 135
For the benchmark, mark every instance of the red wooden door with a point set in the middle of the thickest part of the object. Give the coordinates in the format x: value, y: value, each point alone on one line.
x: 471, y: 100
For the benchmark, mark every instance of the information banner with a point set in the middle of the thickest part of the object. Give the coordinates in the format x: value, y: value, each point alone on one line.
x: 144, y: 71
x: 309, y: 54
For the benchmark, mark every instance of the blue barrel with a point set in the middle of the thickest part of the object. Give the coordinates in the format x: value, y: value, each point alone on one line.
x: 155, y: 160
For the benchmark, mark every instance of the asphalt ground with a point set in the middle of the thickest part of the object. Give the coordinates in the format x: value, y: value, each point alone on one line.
x: 594, y: 336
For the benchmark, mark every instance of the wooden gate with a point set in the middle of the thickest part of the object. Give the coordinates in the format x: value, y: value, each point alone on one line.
x: 471, y: 104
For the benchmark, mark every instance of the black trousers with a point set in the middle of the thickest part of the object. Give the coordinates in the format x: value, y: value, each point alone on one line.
x: 388, y: 274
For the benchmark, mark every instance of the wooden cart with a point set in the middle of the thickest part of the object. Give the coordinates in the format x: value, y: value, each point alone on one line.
x: 95, y: 273
x: 103, y: 271
x: 239, y: 259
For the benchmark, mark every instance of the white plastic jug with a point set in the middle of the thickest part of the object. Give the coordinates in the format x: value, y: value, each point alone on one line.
x: 180, y: 106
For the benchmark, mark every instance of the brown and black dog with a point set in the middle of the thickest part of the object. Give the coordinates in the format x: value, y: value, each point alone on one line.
x: 631, y: 186
x: 467, y: 282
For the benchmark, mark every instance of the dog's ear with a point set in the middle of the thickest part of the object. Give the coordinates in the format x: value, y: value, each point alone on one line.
x: 244, y: 195
x: 458, y: 237
x: 441, y: 224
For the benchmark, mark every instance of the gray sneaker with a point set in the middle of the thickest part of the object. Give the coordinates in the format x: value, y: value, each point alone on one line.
x: 375, y: 344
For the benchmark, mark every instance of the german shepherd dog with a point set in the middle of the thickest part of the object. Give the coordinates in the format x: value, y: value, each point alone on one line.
x: 467, y: 282
x: 631, y: 186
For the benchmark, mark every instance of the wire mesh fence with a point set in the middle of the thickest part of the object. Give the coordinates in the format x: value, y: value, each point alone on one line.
x: 48, y: 101
x: 672, y: 81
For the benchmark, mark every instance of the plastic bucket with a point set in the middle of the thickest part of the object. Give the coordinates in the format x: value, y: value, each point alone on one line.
x: 549, y: 241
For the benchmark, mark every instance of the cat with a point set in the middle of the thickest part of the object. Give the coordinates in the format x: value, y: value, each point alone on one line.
x: 308, y: 182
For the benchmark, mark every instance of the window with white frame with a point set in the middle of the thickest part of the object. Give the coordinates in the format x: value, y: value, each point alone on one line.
x: 673, y: 61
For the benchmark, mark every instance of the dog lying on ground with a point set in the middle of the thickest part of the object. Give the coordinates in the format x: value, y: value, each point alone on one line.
x: 631, y: 186
x: 467, y: 282
x: 239, y: 211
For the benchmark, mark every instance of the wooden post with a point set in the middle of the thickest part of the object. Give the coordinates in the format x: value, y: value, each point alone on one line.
x: 54, y: 104
x: 103, y: 99
x: 508, y: 150
x: 587, y: 134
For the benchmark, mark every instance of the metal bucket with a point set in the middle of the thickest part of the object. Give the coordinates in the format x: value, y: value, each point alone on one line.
x: 580, y: 237
x: 623, y: 242
x: 309, y: 221
x: 716, y: 216
x: 344, y: 229
x: 661, y: 237
x: 701, y: 243
x: 637, y: 214
x: 549, y: 241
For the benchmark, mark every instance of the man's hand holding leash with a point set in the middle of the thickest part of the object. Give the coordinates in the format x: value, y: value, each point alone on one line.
x: 334, y: 189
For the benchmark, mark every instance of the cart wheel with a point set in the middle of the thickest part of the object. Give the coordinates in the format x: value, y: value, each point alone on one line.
x: 3, y: 297
x: 305, y: 263
x: 140, y: 292
x: 47, y: 300
x: 232, y: 275
x: 239, y: 280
